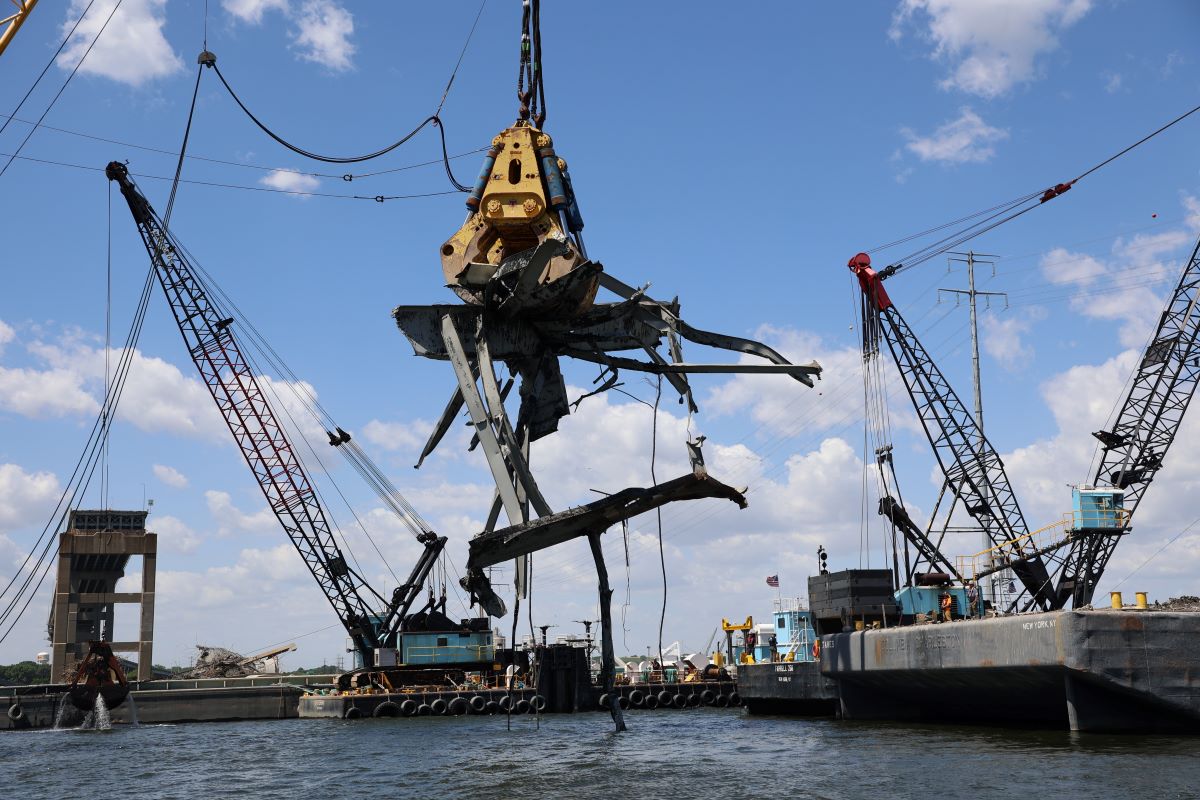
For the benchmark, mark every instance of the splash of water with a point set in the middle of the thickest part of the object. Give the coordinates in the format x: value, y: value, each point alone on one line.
x: 98, y: 718
x: 133, y: 717
x: 60, y: 715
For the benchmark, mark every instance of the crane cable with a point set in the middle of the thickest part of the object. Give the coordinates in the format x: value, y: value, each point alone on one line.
x: 532, y: 97
x: 434, y: 118
x: 49, y: 63
x: 187, y: 132
x: 1005, y: 212
x: 242, y: 164
x: 66, y: 83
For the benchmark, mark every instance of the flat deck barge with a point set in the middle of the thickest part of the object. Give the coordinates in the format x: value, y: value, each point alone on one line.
x: 1088, y: 670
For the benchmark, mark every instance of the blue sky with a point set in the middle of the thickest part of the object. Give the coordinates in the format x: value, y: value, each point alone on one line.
x: 735, y: 156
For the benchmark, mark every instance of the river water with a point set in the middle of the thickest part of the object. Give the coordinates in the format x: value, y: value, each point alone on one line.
x: 674, y: 755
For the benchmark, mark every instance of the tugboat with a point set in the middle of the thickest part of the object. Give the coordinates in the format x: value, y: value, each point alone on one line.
x: 99, y: 674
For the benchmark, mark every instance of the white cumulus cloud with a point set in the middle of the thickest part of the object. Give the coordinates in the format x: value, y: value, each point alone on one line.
x: 251, y: 11
x: 170, y: 476
x: 323, y: 31
x: 231, y: 519
x: 320, y: 32
x: 397, y: 435
x: 133, y: 48
x: 963, y: 140
x: 990, y: 45
x: 174, y: 535
x: 1005, y: 338
x: 290, y: 181
x: 25, y: 496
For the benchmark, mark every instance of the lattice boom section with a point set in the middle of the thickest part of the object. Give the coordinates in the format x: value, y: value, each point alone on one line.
x: 971, y: 465
x: 261, y: 439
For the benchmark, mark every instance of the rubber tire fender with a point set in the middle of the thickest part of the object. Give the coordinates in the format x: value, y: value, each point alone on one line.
x: 664, y: 698
x: 538, y: 703
x: 707, y: 697
x: 637, y: 698
x: 651, y: 702
x: 693, y: 700
x: 735, y: 699
x: 408, y: 708
x: 424, y: 710
x: 491, y: 707
x: 478, y: 704
x: 439, y: 707
x: 16, y: 713
x: 720, y: 701
x: 522, y: 706
x: 679, y: 701
x: 353, y: 712
x: 386, y: 709
x: 457, y: 707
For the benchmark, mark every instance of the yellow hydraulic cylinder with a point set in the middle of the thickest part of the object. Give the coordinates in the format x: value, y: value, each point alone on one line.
x: 1116, y: 599
x: 1141, y: 600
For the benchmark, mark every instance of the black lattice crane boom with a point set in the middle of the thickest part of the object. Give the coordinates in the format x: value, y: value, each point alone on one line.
x: 1134, y: 449
x: 972, y: 467
x: 264, y: 444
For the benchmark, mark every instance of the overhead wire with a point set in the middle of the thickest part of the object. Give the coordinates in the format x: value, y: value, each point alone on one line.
x: 62, y: 88
x: 1006, y: 212
x: 79, y: 480
x: 49, y: 64
x: 187, y: 132
x: 434, y: 119
x: 347, y: 177
x: 380, y: 198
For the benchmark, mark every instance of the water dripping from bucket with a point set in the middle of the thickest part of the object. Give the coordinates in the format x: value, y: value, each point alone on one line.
x: 61, y: 713
x: 98, y: 718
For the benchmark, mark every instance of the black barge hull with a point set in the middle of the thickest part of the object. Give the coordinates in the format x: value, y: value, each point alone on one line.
x: 1095, y: 670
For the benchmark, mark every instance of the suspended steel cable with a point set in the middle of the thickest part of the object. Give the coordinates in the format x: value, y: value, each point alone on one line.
x: 1005, y: 213
x: 379, y: 198
x: 462, y: 53
x: 80, y: 478
x: 62, y: 88
x: 433, y: 119
x: 370, y: 472
x: 347, y: 177
x: 187, y: 132
x: 49, y: 64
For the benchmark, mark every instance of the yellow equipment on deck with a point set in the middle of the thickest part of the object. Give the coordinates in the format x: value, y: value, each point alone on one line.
x: 729, y: 631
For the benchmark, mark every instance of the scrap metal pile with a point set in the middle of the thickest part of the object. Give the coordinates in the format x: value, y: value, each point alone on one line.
x: 217, y: 662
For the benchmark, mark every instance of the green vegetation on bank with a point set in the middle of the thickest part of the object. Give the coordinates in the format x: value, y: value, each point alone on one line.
x: 24, y: 673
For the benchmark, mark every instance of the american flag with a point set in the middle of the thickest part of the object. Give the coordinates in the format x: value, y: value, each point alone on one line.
x: 773, y: 581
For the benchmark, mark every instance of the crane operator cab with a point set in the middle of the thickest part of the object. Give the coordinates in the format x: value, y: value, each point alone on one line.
x: 1098, y: 508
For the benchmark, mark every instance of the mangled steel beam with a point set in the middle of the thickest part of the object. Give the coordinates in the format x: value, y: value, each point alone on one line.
x: 491, y: 548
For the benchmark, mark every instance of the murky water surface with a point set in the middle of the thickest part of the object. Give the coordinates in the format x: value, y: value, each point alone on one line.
x: 676, y: 754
